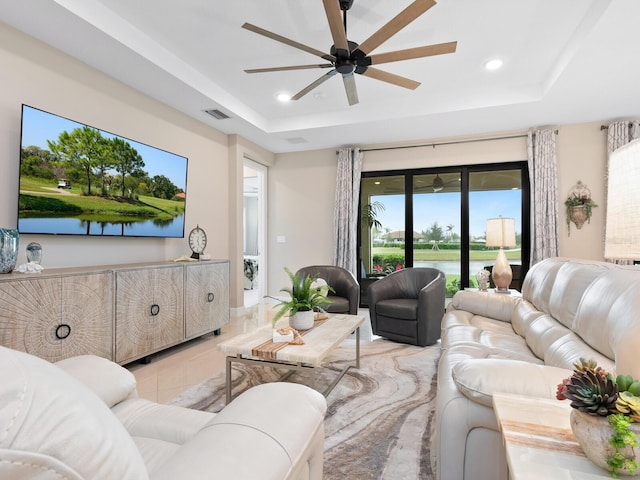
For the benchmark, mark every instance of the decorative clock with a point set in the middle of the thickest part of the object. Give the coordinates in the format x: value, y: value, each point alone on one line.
x: 197, y: 242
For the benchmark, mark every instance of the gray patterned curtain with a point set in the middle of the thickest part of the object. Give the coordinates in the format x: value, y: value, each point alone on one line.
x: 543, y: 173
x: 619, y: 134
x: 345, y: 214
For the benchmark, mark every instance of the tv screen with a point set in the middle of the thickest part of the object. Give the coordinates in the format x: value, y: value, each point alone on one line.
x: 78, y: 180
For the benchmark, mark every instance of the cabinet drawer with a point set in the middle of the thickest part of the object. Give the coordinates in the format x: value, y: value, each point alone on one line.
x: 58, y: 317
x: 206, y: 298
x: 149, y: 311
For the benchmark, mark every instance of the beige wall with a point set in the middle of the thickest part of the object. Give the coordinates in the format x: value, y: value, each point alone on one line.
x: 302, y: 190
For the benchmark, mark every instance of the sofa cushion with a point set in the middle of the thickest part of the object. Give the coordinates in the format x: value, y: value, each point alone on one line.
x: 56, y: 424
x: 479, y: 378
x: 400, y: 308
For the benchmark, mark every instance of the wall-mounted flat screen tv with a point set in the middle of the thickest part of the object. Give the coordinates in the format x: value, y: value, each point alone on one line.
x: 78, y: 180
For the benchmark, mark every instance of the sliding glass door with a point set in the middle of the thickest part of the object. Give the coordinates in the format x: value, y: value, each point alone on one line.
x: 494, y: 194
x: 437, y: 218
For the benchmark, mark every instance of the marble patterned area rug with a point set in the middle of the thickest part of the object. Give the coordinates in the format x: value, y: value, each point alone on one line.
x: 379, y: 419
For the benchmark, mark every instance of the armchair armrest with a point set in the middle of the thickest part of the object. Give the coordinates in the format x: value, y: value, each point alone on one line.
x: 345, y: 285
x: 432, y: 296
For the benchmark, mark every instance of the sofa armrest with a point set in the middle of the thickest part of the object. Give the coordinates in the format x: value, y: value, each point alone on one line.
x: 271, y: 431
x: 497, y: 306
x: 111, y: 382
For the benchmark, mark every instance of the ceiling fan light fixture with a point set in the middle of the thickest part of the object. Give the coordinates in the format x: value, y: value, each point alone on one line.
x: 283, y: 97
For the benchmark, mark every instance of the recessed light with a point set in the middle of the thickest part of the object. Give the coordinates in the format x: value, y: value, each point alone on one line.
x: 494, y: 64
x: 283, y: 97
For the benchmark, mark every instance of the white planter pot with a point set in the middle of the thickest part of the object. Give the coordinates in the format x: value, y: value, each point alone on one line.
x: 302, y: 320
x: 593, y: 434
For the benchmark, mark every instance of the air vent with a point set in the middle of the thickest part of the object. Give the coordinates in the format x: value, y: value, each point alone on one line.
x: 217, y: 114
x: 295, y: 140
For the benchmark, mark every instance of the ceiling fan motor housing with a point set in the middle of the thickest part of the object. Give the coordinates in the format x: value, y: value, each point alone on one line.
x: 348, y: 62
x: 345, y: 4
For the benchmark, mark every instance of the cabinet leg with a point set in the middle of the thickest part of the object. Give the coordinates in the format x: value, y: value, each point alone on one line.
x: 145, y: 360
x: 217, y: 331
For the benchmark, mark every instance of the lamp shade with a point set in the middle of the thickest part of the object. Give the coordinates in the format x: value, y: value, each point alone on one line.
x: 501, y: 232
x: 622, y: 231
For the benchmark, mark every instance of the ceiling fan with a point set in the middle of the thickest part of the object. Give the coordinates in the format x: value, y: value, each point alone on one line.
x: 347, y: 58
x: 439, y: 184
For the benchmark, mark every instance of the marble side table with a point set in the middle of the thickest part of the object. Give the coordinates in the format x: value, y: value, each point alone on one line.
x: 539, y: 442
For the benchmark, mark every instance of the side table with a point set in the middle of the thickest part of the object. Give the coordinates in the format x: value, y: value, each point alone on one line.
x: 538, y: 440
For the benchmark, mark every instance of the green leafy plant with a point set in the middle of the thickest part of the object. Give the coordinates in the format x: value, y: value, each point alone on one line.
x: 594, y: 391
x: 303, y: 296
x: 370, y: 214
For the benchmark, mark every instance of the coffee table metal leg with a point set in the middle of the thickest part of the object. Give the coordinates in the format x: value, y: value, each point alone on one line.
x: 358, y: 347
x: 228, y: 382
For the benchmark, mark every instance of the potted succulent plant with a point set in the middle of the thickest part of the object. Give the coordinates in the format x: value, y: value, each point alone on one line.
x: 605, y: 416
x: 306, y: 296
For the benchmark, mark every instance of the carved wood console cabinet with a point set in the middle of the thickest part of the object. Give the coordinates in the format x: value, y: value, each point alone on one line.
x: 119, y: 312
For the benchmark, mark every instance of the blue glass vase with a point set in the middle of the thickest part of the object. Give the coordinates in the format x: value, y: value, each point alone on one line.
x: 8, y: 249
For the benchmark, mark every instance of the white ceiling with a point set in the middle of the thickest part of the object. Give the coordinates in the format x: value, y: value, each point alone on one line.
x: 566, y: 61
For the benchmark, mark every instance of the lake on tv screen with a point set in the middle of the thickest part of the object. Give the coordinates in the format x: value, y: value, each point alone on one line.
x: 75, y: 226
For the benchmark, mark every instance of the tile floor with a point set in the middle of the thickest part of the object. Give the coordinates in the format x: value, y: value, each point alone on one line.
x: 173, y: 371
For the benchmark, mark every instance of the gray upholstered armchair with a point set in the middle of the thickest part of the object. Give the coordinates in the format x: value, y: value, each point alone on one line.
x: 346, y: 295
x: 407, y: 306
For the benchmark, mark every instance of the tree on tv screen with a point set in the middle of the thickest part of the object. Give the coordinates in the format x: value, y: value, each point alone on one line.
x: 84, y: 155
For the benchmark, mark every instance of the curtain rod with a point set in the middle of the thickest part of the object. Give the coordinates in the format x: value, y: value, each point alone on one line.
x: 454, y: 142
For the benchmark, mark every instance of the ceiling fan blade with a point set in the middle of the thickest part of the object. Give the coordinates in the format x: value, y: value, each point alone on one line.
x: 313, y: 85
x: 334, y: 17
x: 349, y: 81
x: 418, y: 52
x: 282, y: 69
x: 287, y: 41
x: 391, y: 78
x: 396, y: 24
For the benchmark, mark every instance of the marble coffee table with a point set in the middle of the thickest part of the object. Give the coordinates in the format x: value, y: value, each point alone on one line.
x: 256, y: 348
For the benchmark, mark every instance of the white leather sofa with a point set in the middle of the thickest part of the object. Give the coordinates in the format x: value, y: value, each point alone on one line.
x: 499, y: 343
x: 81, y: 419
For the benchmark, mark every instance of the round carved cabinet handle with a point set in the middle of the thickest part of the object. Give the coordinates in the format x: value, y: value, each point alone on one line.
x: 210, y: 297
x: 63, y: 331
x: 155, y: 309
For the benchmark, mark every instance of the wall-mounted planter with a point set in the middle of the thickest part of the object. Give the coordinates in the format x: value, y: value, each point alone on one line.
x: 579, y: 206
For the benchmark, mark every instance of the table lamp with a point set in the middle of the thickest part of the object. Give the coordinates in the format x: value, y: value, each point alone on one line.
x: 622, y: 230
x: 501, y: 232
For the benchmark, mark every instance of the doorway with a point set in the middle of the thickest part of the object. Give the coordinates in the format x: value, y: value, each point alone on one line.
x: 253, y: 221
